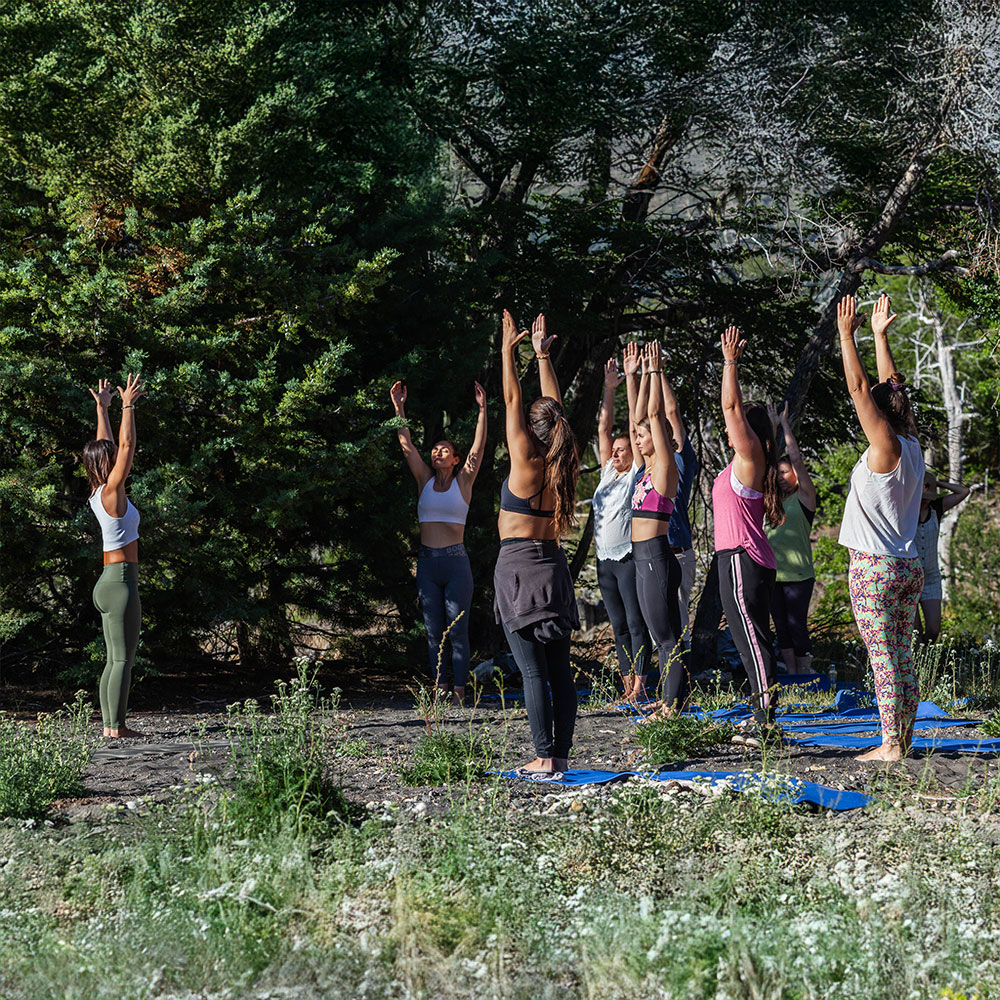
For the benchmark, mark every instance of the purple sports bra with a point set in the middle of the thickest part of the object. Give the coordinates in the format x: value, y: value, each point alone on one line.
x: 646, y: 502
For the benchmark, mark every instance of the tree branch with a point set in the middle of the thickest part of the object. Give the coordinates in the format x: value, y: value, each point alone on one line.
x: 943, y: 263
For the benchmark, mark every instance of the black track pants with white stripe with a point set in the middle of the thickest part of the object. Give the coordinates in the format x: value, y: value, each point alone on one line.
x: 746, y: 587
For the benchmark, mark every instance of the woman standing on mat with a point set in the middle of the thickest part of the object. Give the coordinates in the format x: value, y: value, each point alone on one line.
x: 793, y: 553
x: 742, y: 494
x: 932, y: 508
x: 613, y: 529
x: 880, y: 520
x: 657, y: 572
x: 116, y: 593
x: 444, y: 576
x: 535, y: 602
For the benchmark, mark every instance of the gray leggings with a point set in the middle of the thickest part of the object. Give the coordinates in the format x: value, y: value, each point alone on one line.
x: 116, y: 596
x: 444, y: 582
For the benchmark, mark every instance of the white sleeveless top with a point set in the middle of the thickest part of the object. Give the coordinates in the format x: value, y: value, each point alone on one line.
x: 882, y: 508
x: 449, y: 506
x: 116, y: 531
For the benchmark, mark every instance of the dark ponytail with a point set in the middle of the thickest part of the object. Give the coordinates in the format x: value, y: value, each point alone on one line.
x: 556, y: 442
x: 891, y: 398
x: 758, y: 419
x: 98, y: 461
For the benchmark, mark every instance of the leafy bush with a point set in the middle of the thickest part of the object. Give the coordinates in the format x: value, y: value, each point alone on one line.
x: 441, y: 758
x: 280, y: 777
x: 679, y: 737
x: 41, y: 763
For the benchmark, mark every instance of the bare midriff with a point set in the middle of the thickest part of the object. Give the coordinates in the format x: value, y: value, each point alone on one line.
x: 441, y: 534
x: 128, y: 554
x: 512, y: 525
x: 645, y: 528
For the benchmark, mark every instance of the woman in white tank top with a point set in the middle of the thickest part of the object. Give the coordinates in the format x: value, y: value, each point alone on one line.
x: 880, y: 520
x: 116, y: 593
x: 444, y: 576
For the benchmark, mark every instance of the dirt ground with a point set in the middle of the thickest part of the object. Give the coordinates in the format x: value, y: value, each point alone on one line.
x: 376, y: 727
x: 373, y: 741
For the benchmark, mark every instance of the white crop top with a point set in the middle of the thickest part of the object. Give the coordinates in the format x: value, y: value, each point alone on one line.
x: 883, y: 508
x: 449, y: 506
x: 116, y: 531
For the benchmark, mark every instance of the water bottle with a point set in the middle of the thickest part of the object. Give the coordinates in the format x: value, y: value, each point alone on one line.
x: 833, y: 677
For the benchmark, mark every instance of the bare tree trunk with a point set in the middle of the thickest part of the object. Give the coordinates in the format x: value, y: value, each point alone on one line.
x: 820, y: 344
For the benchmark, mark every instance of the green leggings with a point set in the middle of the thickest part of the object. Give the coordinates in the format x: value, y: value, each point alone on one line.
x: 116, y: 596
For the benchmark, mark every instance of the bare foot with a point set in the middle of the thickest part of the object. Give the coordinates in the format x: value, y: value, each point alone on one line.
x: 107, y: 731
x: 540, y: 764
x: 123, y: 733
x: 664, y: 711
x: 888, y: 752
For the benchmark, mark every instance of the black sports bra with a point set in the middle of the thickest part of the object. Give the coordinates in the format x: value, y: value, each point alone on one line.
x: 522, y: 505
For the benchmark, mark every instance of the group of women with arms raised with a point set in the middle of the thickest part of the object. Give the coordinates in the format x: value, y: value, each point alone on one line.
x: 762, y: 507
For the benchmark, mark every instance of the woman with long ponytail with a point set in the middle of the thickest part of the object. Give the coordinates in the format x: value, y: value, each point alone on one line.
x: 534, y: 601
x: 881, y: 517
x: 746, y: 491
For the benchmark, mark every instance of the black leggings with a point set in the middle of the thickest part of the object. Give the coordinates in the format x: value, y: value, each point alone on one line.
x: 658, y: 578
x: 790, y: 611
x: 745, y: 588
x: 545, y: 668
x: 616, y: 578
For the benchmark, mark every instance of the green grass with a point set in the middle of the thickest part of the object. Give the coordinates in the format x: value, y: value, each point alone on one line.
x: 444, y: 758
x: 44, y: 762
x: 679, y: 738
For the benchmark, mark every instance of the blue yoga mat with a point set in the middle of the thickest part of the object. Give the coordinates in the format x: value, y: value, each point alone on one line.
x: 971, y: 745
x: 798, y: 791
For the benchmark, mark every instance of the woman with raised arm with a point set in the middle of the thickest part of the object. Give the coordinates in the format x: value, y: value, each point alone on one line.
x: 793, y: 553
x: 116, y: 593
x: 613, y: 528
x: 932, y: 508
x: 744, y: 493
x: 880, y: 520
x: 444, y: 576
x: 535, y: 602
x: 657, y: 572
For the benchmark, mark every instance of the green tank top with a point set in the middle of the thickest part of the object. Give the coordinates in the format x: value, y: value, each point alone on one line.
x: 790, y: 541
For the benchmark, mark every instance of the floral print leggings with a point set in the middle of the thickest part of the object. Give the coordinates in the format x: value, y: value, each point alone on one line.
x: 884, y: 594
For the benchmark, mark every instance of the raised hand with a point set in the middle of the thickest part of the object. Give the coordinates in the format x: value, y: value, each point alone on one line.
x: 611, y: 377
x: 511, y: 338
x: 772, y: 414
x: 732, y: 343
x: 848, y: 320
x: 539, y: 340
x: 881, y: 320
x: 632, y: 359
x: 653, y: 353
x: 133, y: 390
x: 480, y: 395
x: 398, y: 395
x: 783, y: 416
x: 103, y: 394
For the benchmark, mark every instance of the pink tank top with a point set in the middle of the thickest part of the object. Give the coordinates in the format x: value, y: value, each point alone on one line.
x: 739, y: 518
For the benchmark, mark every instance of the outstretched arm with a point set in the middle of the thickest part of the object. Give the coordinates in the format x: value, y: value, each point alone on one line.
x: 746, y: 444
x: 518, y: 442
x: 673, y: 412
x: 632, y: 366
x: 955, y: 497
x: 881, y: 321
x: 103, y: 399
x: 420, y: 469
x: 606, y: 418
x: 126, y: 443
x: 475, y: 457
x: 885, y: 447
x: 541, y: 341
x: 665, y: 470
x: 807, y: 488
